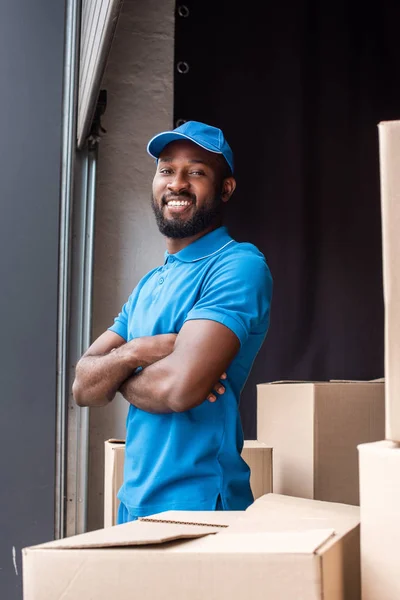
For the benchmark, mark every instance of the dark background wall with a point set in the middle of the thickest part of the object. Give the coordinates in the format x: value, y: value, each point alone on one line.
x: 31, y: 72
x: 299, y: 88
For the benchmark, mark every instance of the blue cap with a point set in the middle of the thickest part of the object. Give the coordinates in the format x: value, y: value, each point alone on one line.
x: 208, y: 137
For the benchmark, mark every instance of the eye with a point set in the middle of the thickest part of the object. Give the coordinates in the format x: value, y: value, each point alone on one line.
x: 165, y: 171
x: 197, y: 173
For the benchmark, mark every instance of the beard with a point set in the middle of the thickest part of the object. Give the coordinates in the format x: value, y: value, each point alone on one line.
x: 201, y: 219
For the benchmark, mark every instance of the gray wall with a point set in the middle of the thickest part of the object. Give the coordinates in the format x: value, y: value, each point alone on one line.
x: 139, y: 82
x: 31, y: 71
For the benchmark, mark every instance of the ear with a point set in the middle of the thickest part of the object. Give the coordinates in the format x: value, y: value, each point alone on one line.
x: 228, y: 187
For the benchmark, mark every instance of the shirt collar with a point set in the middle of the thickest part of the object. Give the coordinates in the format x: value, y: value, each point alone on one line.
x: 209, y: 244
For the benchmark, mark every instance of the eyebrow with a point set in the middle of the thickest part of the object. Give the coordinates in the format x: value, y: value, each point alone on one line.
x: 168, y: 159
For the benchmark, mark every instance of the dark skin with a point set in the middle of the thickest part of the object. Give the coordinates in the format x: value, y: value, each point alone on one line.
x: 179, y: 371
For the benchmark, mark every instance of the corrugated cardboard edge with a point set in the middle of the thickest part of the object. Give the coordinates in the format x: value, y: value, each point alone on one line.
x: 202, y: 517
x: 319, y: 382
x: 157, y: 520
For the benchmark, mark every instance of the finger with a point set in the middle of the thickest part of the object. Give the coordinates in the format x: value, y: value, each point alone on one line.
x: 223, y: 376
x: 219, y: 388
x: 211, y: 398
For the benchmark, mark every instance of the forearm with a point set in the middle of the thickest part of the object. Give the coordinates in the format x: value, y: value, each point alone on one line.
x: 149, y: 389
x: 165, y: 387
x: 98, y: 377
x: 184, y: 378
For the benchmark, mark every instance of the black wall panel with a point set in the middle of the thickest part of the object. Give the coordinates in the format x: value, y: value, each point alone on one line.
x: 31, y: 73
x: 298, y: 88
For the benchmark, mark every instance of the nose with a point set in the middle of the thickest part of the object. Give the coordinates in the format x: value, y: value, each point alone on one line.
x: 178, y: 183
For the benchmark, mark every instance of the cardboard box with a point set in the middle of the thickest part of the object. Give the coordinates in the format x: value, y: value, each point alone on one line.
x: 257, y: 455
x: 259, y: 458
x: 380, y: 520
x: 314, y: 429
x: 282, y: 549
x: 389, y: 151
x: 114, y: 453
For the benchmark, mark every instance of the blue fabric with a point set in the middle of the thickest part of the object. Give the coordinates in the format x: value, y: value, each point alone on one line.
x: 208, y: 137
x: 185, y: 461
x: 124, y: 516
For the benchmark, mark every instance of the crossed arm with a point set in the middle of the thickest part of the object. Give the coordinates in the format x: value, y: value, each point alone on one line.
x: 178, y: 372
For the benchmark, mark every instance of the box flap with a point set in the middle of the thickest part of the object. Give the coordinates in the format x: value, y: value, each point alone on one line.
x: 154, y: 529
x: 275, y: 512
x: 283, y: 506
x: 267, y: 542
x: 137, y: 533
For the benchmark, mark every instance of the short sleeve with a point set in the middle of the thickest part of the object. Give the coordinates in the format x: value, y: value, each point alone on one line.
x: 121, y: 322
x: 120, y: 325
x: 237, y: 293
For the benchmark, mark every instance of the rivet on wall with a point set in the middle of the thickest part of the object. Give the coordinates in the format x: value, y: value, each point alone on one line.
x: 183, y: 11
x: 182, y: 67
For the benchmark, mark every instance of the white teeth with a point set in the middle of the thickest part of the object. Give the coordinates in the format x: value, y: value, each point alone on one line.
x: 178, y: 203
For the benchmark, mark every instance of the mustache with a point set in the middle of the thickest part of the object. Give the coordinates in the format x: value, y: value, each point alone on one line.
x: 182, y: 195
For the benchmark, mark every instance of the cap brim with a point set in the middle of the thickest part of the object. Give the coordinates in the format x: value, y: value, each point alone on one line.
x: 157, y: 144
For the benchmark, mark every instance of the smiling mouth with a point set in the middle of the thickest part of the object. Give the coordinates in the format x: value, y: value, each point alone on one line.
x: 178, y: 208
x: 178, y: 205
x: 173, y: 203
x: 182, y: 199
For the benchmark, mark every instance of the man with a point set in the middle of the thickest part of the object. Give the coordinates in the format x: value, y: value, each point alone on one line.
x: 197, y: 320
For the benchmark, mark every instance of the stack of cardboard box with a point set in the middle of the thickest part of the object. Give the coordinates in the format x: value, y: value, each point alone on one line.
x: 380, y: 462
x: 314, y: 430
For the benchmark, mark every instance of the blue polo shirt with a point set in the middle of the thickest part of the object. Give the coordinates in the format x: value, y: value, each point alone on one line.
x: 192, y: 460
